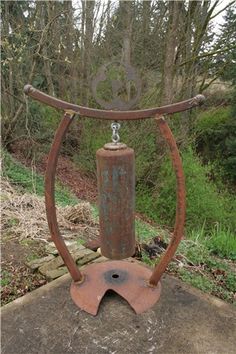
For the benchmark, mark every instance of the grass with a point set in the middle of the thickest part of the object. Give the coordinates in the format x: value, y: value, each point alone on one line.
x: 5, y: 278
x: 195, y: 261
x: 32, y: 257
x: 31, y: 182
x: 222, y: 242
x: 144, y: 231
x: 218, y: 240
x: 197, y: 280
x: 200, y: 267
x: 27, y: 242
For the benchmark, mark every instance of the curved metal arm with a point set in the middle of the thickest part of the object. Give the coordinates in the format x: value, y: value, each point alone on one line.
x: 50, y: 198
x: 72, y: 109
x: 180, y: 206
x: 112, y: 115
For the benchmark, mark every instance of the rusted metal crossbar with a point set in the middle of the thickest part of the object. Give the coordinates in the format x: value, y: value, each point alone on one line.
x: 127, y: 280
x: 112, y: 115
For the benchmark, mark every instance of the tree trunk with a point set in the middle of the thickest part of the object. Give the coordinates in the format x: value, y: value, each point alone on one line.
x: 70, y: 49
x: 87, y: 17
x: 170, y: 52
x: 44, y: 18
x: 126, y: 10
x: 146, y: 10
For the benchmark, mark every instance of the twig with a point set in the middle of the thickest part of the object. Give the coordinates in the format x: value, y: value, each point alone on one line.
x: 11, y: 94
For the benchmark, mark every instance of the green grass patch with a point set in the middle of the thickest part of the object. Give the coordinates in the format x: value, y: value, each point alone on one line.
x: 13, y: 222
x: 32, y: 257
x: 218, y: 240
x: 231, y: 282
x: 5, y: 278
x: 31, y: 182
x: 144, y: 232
x: 222, y: 242
x: 27, y: 242
x: 81, y: 242
x: 197, y: 280
x: 195, y: 252
x: 197, y: 265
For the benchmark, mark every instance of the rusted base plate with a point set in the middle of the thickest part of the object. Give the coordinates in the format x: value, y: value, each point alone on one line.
x: 129, y: 280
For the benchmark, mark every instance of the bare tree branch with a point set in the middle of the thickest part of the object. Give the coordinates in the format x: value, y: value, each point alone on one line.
x: 223, y: 50
x: 220, y: 11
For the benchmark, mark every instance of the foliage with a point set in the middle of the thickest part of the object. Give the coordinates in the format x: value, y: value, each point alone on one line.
x: 194, y: 250
x: 93, y: 137
x: 227, y: 35
x: 216, y: 139
x: 31, y: 182
x: 204, y: 203
x: 212, y: 119
x: 58, y: 46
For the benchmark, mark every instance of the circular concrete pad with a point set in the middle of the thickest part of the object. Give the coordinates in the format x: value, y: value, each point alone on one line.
x: 129, y: 280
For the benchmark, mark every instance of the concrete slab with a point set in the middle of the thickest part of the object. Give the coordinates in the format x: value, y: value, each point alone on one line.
x: 184, y: 321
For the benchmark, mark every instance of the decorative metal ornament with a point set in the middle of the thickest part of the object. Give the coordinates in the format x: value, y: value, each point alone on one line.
x: 120, y: 85
x: 136, y: 283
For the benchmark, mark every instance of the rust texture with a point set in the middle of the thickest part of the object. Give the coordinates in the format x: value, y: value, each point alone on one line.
x: 116, y: 191
x: 180, y: 206
x: 129, y: 280
x: 50, y: 198
x: 137, y: 284
x: 112, y: 115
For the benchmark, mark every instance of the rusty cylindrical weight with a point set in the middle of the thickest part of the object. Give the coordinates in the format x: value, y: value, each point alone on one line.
x: 116, y: 191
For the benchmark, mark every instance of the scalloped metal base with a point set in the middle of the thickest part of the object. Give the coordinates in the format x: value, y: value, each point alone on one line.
x: 127, y: 279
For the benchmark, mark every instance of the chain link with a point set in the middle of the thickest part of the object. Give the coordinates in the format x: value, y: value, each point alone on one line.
x: 115, y: 135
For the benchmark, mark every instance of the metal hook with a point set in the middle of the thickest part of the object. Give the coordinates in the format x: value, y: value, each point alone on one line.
x: 115, y: 135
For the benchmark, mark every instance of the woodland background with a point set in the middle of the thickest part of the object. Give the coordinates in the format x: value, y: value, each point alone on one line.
x: 58, y: 47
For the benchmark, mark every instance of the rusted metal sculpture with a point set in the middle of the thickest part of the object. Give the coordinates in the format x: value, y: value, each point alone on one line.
x: 139, y: 285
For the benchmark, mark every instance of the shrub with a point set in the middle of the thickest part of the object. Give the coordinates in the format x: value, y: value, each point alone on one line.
x: 204, y: 202
x: 216, y: 140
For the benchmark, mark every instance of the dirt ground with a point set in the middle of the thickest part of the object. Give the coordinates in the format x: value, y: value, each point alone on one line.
x: 17, y: 279
x: 82, y: 185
